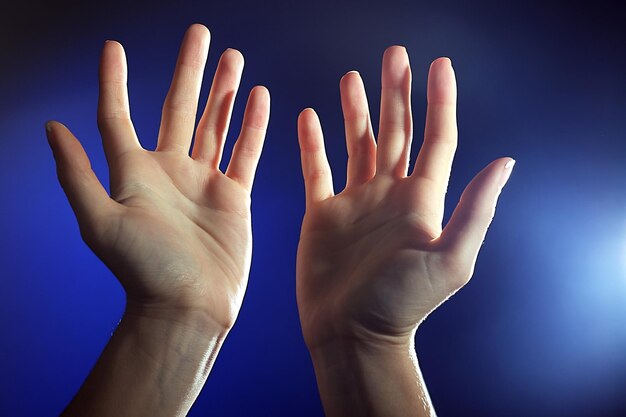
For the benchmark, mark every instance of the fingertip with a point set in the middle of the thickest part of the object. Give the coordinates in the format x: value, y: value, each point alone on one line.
x: 352, y: 74
x: 112, y: 62
x: 197, y: 38
x: 395, y: 55
x: 200, y: 30
x: 66, y: 149
x: 507, y: 170
x: 113, y: 49
x: 395, y: 50
x: 257, y: 108
x: 261, y: 95
x: 396, y: 67
x: 442, y: 60
x: 510, y: 162
x: 309, y: 130
x: 493, y: 177
x: 261, y: 90
x: 309, y: 120
x: 350, y: 79
x: 441, y: 65
x: 234, y: 57
x: 307, y: 115
x: 502, y: 163
x: 51, y: 126
x: 110, y: 43
x: 48, y: 126
x: 441, y: 81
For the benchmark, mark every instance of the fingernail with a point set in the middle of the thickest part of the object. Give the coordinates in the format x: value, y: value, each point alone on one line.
x: 444, y: 58
x: 506, y: 172
x: 48, y: 127
x: 351, y: 72
x: 392, y: 47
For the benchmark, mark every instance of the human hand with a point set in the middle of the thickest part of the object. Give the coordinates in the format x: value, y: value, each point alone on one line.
x: 373, y: 260
x: 175, y: 231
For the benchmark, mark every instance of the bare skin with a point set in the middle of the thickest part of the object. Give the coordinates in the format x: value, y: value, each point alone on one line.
x: 175, y: 231
x: 374, y: 260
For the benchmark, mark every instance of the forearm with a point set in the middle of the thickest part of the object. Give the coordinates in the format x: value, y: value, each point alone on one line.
x: 154, y: 365
x: 360, y: 379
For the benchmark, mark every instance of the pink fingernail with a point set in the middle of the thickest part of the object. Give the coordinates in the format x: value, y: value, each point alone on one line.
x: 506, y: 172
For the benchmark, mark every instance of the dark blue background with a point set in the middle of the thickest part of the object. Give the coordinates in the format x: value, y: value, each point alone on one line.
x: 539, y: 331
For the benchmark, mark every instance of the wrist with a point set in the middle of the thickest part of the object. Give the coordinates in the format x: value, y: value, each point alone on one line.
x: 186, y: 317
x: 183, y: 319
x: 155, y: 364
x: 169, y: 336
x: 340, y: 353
x: 364, y: 378
x: 337, y: 337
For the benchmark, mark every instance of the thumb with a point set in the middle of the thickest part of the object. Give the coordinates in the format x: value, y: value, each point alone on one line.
x: 463, y: 236
x: 88, y: 198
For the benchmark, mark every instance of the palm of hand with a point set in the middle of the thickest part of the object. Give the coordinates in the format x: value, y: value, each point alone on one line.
x: 183, y: 232
x: 366, y: 256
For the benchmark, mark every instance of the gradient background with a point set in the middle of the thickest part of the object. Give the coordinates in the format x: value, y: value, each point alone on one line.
x: 539, y: 331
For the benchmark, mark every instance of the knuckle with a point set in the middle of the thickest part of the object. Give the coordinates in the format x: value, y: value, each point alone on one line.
x: 356, y: 116
x: 247, y: 151
x: 445, y: 140
x: 362, y: 146
x: 257, y: 122
x: 482, y: 216
x: 183, y: 107
x: 107, y: 118
x: 316, y: 173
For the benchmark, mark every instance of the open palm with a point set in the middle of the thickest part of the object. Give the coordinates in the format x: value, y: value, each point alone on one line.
x: 176, y: 231
x: 373, y: 261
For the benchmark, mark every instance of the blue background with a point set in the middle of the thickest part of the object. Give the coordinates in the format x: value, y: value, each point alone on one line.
x: 541, y: 328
